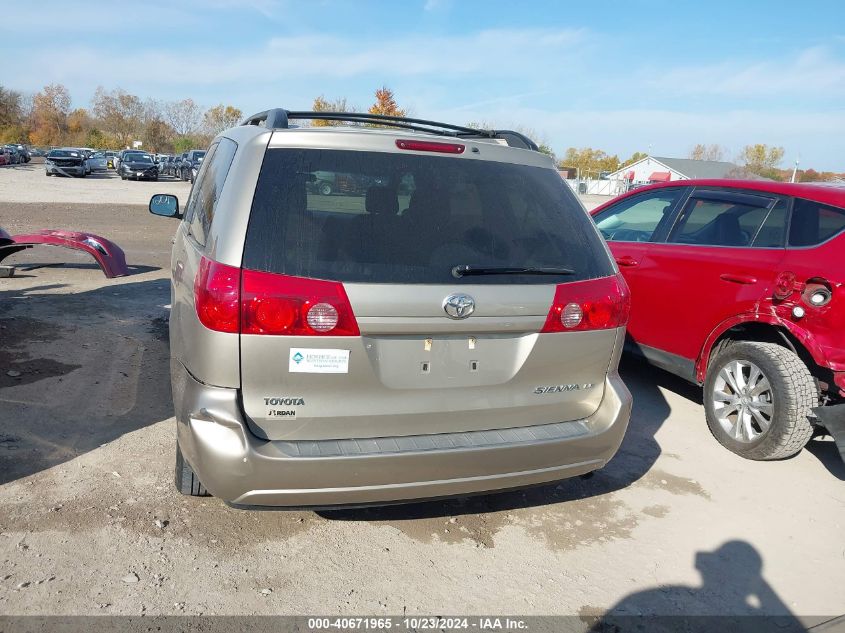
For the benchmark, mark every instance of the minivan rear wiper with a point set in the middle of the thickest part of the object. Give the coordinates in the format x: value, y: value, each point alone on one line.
x: 466, y: 271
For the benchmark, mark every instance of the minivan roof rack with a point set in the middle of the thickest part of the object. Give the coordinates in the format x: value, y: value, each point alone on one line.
x: 279, y: 118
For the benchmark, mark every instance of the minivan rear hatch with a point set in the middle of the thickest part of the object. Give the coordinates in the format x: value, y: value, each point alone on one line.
x: 443, y: 270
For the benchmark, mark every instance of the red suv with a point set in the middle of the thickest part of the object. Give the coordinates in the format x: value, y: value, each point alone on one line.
x: 738, y: 286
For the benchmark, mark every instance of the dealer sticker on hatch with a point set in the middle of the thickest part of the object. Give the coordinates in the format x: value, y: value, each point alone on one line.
x: 318, y: 361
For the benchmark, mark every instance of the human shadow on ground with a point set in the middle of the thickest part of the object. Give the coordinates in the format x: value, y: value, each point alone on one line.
x: 733, y: 597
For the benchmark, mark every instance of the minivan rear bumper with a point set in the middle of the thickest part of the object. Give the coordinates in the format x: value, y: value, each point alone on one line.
x: 240, y: 468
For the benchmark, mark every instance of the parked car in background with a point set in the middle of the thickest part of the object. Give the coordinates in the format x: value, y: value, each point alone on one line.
x: 5, y: 156
x: 110, y: 156
x: 98, y: 161
x: 190, y: 163
x: 23, y: 150
x: 137, y: 166
x: 739, y: 286
x: 15, y: 157
x: 468, y: 339
x: 162, y: 161
x: 67, y: 161
x: 173, y: 165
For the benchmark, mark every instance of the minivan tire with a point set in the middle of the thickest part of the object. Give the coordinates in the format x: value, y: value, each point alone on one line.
x: 794, y: 393
x: 187, y: 481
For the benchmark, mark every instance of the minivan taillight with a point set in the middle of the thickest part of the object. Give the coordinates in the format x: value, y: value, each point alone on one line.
x: 593, y: 304
x: 229, y: 299
x: 217, y: 295
x: 295, y: 306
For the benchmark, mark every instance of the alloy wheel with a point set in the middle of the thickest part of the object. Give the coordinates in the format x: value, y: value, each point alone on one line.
x: 743, y: 401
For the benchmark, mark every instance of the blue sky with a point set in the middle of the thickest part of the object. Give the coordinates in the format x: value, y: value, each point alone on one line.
x: 623, y: 77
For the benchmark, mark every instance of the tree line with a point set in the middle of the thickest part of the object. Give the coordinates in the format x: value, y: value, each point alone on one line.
x: 116, y: 118
x: 758, y: 159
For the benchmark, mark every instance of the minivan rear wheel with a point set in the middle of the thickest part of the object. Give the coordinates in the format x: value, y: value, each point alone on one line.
x: 187, y: 481
x: 758, y: 398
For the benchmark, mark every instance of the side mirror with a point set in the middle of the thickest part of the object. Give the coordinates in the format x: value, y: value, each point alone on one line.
x: 165, y: 205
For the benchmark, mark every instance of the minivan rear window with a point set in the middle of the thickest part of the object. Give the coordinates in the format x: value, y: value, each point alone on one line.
x: 377, y: 217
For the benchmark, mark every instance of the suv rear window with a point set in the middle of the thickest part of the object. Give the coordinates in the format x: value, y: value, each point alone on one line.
x: 813, y: 223
x: 391, y: 218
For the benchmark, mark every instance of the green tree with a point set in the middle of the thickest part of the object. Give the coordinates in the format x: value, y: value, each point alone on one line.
x: 589, y: 162
x: 634, y: 158
x: 188, y: 142
x: 763, y: 160
x: 221, y: 117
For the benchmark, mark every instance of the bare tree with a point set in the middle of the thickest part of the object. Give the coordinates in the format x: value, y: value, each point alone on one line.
x: 121, y: 114
x: 707, y: 152
x: 183, y: 116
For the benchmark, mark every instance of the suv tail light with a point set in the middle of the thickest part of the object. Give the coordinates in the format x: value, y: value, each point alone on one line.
x: 229, y: 299
x: 217, y: 296
x: 594, y: 304
x: 280, y: 304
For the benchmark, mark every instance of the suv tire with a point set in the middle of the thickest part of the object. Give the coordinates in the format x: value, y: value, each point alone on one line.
x: 786, y: 403
x: 187, y: 481
x: 325, y: 189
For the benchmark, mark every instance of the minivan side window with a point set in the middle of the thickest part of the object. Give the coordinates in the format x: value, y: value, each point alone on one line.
x: 203, y: 201
x: 813, y: 222
x: 637, y: 219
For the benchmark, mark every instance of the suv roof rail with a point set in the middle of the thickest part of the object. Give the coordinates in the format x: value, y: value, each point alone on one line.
x: 279, y: 118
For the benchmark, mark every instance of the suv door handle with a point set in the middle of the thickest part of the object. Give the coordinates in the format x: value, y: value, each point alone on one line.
x: 627, y: 260
x: 738, y: 279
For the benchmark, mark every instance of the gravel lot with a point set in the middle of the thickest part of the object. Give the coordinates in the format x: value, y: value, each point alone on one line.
x: 90, y: 522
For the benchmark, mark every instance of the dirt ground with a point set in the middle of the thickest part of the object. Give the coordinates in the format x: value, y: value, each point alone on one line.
x: 90, y: 522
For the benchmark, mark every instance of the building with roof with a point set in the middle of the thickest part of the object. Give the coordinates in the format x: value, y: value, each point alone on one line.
x: 664, y: 169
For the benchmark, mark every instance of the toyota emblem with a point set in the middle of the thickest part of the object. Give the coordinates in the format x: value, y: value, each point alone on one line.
x: 458, y: 306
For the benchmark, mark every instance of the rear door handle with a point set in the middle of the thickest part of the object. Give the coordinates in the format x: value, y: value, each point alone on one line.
x: 738, y: 279
x: 627, y: 260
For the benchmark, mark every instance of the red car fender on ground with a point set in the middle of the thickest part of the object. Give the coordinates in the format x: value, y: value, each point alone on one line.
x: 108, y: 255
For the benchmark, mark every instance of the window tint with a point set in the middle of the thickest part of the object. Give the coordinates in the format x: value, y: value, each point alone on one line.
x: 813, y: 222
x: 718, y: 223
x: 202, y: 203
x: 773, y: 232
x: 637, y: 218
x: 394, y: 218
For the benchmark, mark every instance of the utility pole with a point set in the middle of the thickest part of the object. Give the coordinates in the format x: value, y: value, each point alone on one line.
x: 794, y: 170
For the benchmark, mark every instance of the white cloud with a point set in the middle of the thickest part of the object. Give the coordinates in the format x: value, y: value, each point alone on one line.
x: 672, y: 133
x: 487, y: 55
x: 812, y: 71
